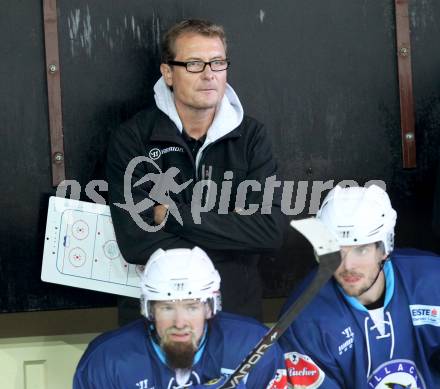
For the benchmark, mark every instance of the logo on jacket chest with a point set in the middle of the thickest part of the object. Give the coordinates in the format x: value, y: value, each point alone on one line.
x: 143, y: 385
x: 156, y: 153
x: 396, y: 374
x: 348, y: 342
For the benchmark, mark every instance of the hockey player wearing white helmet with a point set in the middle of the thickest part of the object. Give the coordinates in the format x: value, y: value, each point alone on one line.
x: 180, y: 291
x: 376, y: 324
x: 363, y: 221
x: 184, y: 340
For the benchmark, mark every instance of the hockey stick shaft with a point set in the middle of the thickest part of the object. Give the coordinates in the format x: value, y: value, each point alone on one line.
x: 329, y: 262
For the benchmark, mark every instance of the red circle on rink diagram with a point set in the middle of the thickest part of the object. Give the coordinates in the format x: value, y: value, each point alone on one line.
x: 77, y: 257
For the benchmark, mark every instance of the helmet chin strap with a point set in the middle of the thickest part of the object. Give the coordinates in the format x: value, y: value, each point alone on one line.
x: 151, y: 329
x: 381, y: 266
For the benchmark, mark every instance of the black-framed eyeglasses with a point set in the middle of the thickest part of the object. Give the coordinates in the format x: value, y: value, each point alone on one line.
x: 216, y: 65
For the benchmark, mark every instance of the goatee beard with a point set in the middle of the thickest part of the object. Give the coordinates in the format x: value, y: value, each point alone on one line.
x: 179, y: 355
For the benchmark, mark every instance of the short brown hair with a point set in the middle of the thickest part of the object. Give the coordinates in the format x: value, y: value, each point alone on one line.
x: 189, y: 26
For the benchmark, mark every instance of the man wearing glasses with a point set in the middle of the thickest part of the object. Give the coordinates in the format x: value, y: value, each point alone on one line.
x: 198, y: 129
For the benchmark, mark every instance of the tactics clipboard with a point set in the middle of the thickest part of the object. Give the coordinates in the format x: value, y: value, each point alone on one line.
x: 80, y: 249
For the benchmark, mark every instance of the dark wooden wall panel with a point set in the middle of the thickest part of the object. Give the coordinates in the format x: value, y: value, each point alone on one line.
x: 321, y: 75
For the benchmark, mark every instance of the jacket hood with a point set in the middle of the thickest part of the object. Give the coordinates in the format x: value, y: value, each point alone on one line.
x: 228, y: 116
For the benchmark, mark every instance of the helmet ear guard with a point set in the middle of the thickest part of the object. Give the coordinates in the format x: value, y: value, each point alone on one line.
x: 147, y: 308
x: 215, y: 303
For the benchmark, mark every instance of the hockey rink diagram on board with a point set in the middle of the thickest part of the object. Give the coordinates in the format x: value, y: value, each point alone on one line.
x: 80, y: 249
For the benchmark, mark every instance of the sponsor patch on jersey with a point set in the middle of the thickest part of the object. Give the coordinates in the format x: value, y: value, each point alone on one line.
x: 302, y: 372
x: 157, y: 153
x: 425, y: 315
x: 396, y: 374
x: 280, y: 380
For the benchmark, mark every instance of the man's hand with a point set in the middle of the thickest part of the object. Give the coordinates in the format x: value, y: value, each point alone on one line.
x: 160, y: 211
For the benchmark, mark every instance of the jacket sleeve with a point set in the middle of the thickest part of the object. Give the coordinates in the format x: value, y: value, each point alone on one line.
x: 92, y: 377
x: 235, y: 231
x: 135, y: 242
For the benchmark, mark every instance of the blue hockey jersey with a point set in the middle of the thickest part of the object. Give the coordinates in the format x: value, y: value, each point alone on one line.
x: 337, y: 344
x: 128, y: 358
